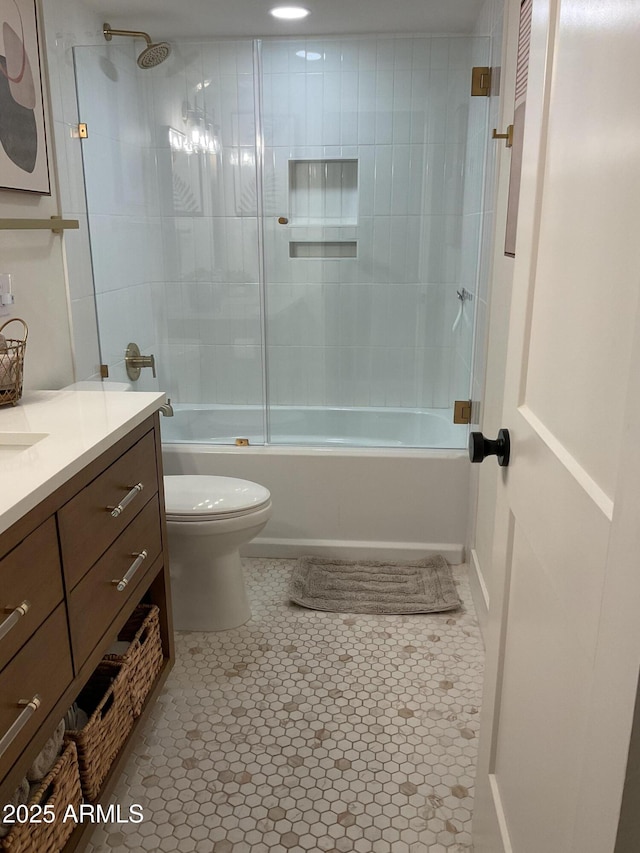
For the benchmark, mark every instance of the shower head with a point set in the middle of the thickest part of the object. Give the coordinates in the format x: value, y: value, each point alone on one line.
x: 152, y: 55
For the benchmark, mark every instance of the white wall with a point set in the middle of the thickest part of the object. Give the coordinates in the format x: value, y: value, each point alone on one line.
x: 35, y: 259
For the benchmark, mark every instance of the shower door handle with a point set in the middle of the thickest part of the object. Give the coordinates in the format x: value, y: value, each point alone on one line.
x: 481, y: 447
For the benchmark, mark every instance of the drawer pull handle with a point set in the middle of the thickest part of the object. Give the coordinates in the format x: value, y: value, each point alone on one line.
x: 13, y: 618
x: 139, y: 560
x: 124, y: 503
x: 31, y: 706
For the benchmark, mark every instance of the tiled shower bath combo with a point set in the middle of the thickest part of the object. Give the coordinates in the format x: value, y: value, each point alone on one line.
x: 310, y: 731
x: 287, y: 224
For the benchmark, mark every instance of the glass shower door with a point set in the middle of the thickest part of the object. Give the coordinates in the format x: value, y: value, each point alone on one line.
x: 173, y: 217
x: 370, y: 232
x: 344, y: 281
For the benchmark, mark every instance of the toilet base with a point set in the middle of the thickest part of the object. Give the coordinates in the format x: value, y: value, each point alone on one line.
x: 207, y: 577
x: 208, y: 593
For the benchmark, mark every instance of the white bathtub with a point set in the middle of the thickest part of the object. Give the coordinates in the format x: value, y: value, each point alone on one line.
x: 352, y: 502
x: 315, y: 425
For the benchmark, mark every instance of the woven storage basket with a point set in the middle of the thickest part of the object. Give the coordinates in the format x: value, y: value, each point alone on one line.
x: 12, y: 364
x: 106, y: 699
x: 59, y: 788
x: 143, y: 659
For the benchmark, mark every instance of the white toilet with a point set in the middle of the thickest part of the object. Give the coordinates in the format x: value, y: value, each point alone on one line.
x: 208, y: 519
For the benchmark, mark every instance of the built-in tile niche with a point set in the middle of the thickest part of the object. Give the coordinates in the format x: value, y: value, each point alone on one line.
x: 323, y: 249
x: 323, y: 192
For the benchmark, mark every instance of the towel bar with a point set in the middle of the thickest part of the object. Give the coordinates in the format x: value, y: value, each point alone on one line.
x: 56, y: 224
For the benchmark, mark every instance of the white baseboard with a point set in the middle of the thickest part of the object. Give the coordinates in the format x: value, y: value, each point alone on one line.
x: 500, y: 815
x: 490, y: 832
x: 479, y: 590
x: 351, y: 550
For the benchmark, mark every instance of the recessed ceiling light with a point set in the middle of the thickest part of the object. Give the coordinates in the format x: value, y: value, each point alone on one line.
x: 289, y: 13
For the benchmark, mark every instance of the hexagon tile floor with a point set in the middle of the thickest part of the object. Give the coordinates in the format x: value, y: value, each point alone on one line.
x: 310, y: 731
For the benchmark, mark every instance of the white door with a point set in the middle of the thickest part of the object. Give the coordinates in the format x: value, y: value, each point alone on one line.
x: 563, y: 635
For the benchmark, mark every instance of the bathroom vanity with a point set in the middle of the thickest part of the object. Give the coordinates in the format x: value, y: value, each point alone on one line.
x: 82, y: 543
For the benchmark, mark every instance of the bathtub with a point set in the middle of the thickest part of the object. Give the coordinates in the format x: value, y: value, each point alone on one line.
x: 384, y: 499
x: 315, y: 425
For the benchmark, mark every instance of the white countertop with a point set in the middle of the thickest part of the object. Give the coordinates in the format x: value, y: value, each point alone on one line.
x: 77, y: 425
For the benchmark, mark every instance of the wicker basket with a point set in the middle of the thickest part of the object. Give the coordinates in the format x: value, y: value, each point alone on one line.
x: 60, y: 788
x: 12, y: 364
x: 106, y: 699
x: 143, y: 659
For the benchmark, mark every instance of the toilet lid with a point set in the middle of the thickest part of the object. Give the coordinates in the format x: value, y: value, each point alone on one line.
x: 201, y: 496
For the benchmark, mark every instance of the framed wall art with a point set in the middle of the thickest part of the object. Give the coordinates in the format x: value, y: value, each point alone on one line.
x: 23, y: 141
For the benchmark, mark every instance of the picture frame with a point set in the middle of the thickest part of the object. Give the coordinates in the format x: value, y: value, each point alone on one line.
x: 24, y: 164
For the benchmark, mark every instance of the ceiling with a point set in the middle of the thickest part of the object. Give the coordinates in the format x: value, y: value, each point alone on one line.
x: 172, y: 19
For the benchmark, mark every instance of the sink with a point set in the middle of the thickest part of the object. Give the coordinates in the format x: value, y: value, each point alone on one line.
x: 12, y: 443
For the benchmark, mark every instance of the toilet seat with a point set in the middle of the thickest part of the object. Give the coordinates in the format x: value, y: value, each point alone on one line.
x: 198, y: 497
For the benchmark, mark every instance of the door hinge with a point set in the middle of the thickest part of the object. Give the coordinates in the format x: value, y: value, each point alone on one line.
x: 480, y: 81
x: 104, y: 371
x: 462, y: 412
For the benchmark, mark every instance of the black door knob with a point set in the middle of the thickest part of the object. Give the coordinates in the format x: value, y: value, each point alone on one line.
x: 481, y: 447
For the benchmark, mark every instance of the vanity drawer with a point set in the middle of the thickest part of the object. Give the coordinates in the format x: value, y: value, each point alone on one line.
x: 41, y: 668
x: 96, y: 594
x: 87, y: 526
x: 30, y: 581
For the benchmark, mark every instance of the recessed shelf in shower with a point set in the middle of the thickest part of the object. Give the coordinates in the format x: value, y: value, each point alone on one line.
x: 323, y: 192
x: 323, y: 249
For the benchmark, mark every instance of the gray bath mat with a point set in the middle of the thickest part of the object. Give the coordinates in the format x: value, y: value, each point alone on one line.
x: 368, y: 586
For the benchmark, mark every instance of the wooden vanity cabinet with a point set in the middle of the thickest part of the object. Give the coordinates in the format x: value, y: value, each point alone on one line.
x: 31, y: 573
x: 65, y: 558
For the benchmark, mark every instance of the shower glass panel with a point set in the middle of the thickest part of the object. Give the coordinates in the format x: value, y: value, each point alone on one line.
x: 170, y: 173
x: 292, y: 227
x: 371, y: 232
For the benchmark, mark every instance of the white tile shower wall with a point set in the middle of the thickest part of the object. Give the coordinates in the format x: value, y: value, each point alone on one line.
x: 375, y: 330
x: 122, y: 195
x: 396, y: 105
